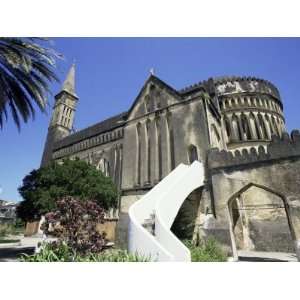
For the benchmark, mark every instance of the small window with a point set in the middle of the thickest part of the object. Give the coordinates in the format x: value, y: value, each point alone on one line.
x: 192, y: 153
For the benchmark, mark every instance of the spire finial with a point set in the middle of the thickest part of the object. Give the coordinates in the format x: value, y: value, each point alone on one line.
x: 69, y: 83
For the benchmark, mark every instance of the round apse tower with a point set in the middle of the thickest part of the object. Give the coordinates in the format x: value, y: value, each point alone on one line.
x: 251, y: 111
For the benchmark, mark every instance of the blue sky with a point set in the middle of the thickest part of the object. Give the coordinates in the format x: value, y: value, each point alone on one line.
x: 111, y: 71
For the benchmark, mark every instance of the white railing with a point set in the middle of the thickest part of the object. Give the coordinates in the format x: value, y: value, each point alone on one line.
x: 164, y: 201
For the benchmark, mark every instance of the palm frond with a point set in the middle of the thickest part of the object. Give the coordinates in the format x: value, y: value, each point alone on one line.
x: 26, y: 70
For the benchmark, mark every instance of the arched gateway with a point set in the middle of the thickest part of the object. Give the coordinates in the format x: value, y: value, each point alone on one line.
x: 260, y: 221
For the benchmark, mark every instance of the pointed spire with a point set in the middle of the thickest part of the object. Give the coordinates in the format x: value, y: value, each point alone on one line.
x: 69, y: 83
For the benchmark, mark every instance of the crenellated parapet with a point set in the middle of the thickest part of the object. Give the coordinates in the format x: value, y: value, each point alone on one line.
x: 235, y: 84
x: 279, y: 148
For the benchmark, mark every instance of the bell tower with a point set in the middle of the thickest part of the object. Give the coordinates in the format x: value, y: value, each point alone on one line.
x: 61, y: 123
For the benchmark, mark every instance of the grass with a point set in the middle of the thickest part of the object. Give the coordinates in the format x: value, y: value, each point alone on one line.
x: 63, y: 253
x: 8, y: 241
x: 206, y: 251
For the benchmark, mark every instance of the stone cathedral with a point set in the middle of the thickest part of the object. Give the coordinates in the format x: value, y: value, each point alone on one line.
x: 234, y: 125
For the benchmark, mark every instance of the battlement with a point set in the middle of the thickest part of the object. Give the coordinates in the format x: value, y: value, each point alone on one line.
x: 279, y: 148
x: 232, y: 84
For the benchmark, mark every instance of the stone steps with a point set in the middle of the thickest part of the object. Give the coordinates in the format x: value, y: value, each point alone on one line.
x: 259, y: 256
x: 149, y: 224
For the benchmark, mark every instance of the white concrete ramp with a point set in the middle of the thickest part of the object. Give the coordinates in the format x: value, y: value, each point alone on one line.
x: 151, y: 217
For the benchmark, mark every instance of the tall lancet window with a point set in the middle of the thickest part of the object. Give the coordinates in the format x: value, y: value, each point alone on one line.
x: 115, y: 161
x: 147, y: 104
x: 276, y: 131
x: 262, y: 127
x: 103, y: 166
x: 170, y: 141
x: 254, y: 127
x: 148, y: 136
x: 159, y: 154
x: 228, y: 129
x: 245, y: 127
x: 269, y: 127
x: 138, y: 156
x: 236, y: 128
x: 192, y: 153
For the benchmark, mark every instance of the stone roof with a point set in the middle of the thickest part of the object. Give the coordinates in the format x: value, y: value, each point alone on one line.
x: 103, y: 126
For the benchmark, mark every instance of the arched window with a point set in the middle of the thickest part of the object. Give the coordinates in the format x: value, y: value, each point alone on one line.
x: 192, y: 153
x: 262, y: 126
x: 236, y: 128
x: 233, y: 102
x: 103, y: 166
x: 245, y: 127
x: 158, y: 99
x: 138, y: 156
x: 147, y: 104
x: 170, y: 141
x: 222, y: 105
x: 254, y: 127
x: 227, y: 128
x: 159, y: 153
x: 279, y: 125
x: 276, y: 130
x: 115, y: 162
x: 148, y: 134
x: 226, y: 104
x: 269, y: 126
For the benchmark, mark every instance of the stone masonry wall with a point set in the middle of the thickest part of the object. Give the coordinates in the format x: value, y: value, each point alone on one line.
x: 274, y: 169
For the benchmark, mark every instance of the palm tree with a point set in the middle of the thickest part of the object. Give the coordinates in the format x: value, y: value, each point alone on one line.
x: 26, y: 70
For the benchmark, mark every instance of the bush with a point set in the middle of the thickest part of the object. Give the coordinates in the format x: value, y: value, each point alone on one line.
x: 74, y: 223
x: 7, y: 229
x: 53, y: 252
x: 206, y: 251
x: 43, y: 187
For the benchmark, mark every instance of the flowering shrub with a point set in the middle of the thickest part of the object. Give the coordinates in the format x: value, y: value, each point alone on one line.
x: 74, y: 223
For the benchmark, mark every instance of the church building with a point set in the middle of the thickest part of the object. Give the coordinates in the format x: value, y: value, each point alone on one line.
x: 234, y: 125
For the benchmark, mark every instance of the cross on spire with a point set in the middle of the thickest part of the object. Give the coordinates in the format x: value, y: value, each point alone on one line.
x: 152, y: 71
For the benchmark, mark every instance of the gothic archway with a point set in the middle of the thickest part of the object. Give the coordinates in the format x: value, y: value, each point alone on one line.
x: 259, y: 219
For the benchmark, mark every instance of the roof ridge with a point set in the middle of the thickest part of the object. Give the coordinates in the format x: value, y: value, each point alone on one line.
x: 92, y: 130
